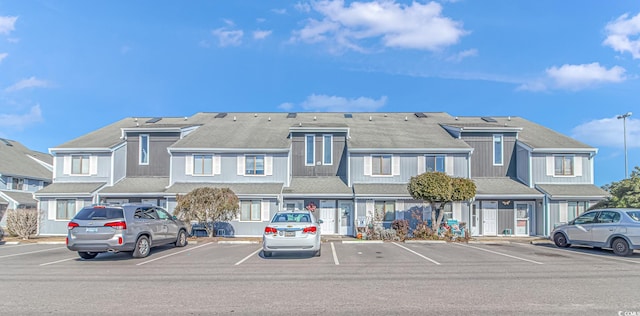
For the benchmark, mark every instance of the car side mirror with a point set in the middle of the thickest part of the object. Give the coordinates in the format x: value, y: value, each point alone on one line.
x: 174, y: 217
x: 320, y: 221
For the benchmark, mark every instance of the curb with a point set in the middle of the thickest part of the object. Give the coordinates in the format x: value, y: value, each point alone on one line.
x: 237, y: 242
x: 362, y: 241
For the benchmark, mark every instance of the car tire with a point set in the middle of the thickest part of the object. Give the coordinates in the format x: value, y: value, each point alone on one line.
x: 142, y: 248
x: 267, y: 254
x: 87, y: 255
x: 621, y: 247
x: 181, y: 241
x: 560, y: 240
x: 317, y: 254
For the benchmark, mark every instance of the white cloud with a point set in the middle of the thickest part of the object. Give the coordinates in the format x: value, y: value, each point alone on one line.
x: 577, y: 77
x: 7, y: 24
x: 462, y: 55
x: 623, y: 35
x: 3, y: 56
x: 302, y: 7
x: 279, y: 11
x: 20, y: 121
x: 415, y: 26
x: 608, y: 132
x: 287, y: 106
x: 260, y: 34
x: 228, y: 37
x: 340, y: 104
x: 32, y: 82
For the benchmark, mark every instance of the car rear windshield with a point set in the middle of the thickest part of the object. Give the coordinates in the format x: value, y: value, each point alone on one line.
x: 292, y: 217
x: 635, y: 215
x: 99, y: 213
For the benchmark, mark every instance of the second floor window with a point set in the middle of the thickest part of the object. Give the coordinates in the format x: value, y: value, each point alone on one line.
x: 327, y: 149
x: 310, y: 150
x: 254, y: 164
x: 381, y: 165
x: 250, y: 211
x: 144, y: 149
x: 434, y: 163
x: 202, y: 164
x: 80, y: 164
x: 497, y: 150
x: 17, y: 184
x: 563, y: 165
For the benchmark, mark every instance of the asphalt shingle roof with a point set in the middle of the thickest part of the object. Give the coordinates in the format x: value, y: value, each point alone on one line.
x: 317, y: 185
x: 17, y: 160
x: 573, y: 190
x: 385, y: 189
x: 137, y: 185
x: 237, y: 188
x: 23, y: 198
x: 503, y: 186
x: 71, y: 188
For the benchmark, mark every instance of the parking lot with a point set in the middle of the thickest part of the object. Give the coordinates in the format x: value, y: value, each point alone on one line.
x: 349, y: 278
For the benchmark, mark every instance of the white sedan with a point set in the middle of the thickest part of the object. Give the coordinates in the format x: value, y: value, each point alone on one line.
x: 293, y: 231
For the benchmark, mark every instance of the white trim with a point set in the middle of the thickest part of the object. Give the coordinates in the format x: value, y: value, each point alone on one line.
x: 563, y: 209
x: 422, y: 164
x: 577, y: 166
x: 188, y: 164
x: 66, y: 167
x: 51, y: 211
x: 550, y: 166
x: 493, y: 139
x: 140, y: 162
x: 93, y: 165
x: 240, y: 165
x: 306, y: 150
x: 324, y: 146
x: 448, y: 165
x: 268, y: 165
x: 395, y: 165
x: 367, y: 162
x: 217, y: 164
x: 265, y: 206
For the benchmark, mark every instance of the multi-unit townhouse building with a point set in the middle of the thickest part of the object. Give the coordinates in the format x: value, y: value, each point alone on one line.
x: 354, y: 167
x: 22, y: 172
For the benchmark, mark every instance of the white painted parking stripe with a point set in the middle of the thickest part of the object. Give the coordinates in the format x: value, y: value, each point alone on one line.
x: 499, y: 253
x: 173, y: 254
x: 415, y: 253
x: 30, y: 252
x: 54, y: 262
x: 586, y: 254
x: 249, y: 256
x: 335, y: 255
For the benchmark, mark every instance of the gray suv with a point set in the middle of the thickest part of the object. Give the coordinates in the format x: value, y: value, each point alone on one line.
x: 127, y: 227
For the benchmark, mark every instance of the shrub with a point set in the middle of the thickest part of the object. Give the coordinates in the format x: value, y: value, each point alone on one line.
x: 22, y: 222
x: 401, y: 226
x: 423, y: 231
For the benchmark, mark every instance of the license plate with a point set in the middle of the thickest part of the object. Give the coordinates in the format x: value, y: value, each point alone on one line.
x: 289, y: 234
x: 92, y: 230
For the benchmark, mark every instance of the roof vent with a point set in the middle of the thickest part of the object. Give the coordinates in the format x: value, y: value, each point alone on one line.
x: 220, y: 115
x: 420, y: 115
x: 348, y: 115
x: 292, y: 115
x: 489, y: 119
x: 6, y: 142
x: 153, y: 120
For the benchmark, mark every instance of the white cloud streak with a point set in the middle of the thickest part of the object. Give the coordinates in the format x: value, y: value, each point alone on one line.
x: 608, y: 132
x: 340, y: 104
x: 20, y: 121
x: 261, y: 34
x: 623, y: 35
x: 7, y: 24
x: 228, y: 37
x: 415, y: 26
x: 575, y: 77
x: 3, y: 56
x: 462, y: 55
x: 32, y: 82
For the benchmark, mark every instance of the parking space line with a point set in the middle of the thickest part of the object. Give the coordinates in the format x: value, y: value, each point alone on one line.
x: 590, y: 254
x: 249, y: 256
x: 30, y: 252
x: 54, y: 262
x: 415, y: 253
x: 335, y: 255
x: 498, y: 253
x: 173, y: 254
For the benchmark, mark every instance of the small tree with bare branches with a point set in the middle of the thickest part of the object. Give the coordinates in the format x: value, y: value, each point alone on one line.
x: 207, y: 206
x: 23, y: 222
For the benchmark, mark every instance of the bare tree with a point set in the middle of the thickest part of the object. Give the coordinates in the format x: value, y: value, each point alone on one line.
x: 23, y: 222
x: 208, y: 205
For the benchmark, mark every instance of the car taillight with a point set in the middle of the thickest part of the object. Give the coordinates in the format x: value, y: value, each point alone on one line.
x: 270, y: 230
x: 310, y: 230
x: 117, y: 225
x: 71, y: 225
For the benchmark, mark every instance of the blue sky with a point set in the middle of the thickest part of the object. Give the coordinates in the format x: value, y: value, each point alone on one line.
x: 70, y: 67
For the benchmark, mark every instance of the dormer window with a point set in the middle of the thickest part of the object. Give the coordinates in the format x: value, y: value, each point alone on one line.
x: 80, y: 164
x: 17, y: 184
x: 327, y: 149
x: 498, y: 150
x: 144, y: 149
x: 563, y: 165
x: 310, y: 150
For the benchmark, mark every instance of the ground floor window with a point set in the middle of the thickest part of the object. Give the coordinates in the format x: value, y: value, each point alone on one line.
x: 250, y: 211
x: 385, y: 210
x: 65, y: 209
x: 575, y: 208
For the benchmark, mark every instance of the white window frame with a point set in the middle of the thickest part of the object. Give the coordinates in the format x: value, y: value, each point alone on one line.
x: 324, y: 149
x: 83, y: 158
x: 251, y: 217
x: 435, y: 162
x: 203, y: 158
x: 573, y: 166
x: 501, y: 140
x: 69, y: 216
x: 264, y: 165
x: 390, y: 165
x: 306, y: 149
x: 142, y: 150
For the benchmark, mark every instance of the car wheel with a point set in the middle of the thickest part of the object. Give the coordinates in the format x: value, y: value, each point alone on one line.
x: 317, y: 254
x: 621, y: 247
x: 142, y: 248
x: 560, y: 240
x: 87, y: 255
x: 181, y: 241
x: 267, y: 253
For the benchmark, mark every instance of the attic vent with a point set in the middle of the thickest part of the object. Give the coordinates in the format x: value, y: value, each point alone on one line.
x: 6, y: 142
x: 489, y: 119
x: 153, y: 120
x: 420, y: 115
x: 348, y: 115
x: 220, y: 115
x: 292, y: 115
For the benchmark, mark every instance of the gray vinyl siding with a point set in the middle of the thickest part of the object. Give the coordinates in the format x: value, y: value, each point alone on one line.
x: 3, y: 183
x: 54, y: 227
x: 103, y: 172
x: 298, y: 150
x: 158, y: 156
x: 482, y: 157
x: 461, y: 166
x: 522, y: 161
x: 229, y: 170
x: 408, y: 168
x: 120, y: 163
x: 539, y: 171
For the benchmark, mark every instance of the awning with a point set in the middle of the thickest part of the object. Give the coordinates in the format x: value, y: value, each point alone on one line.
x: 504, y: 188
x: 317, y: 187
x: 573, y: 191
x: 70, y: 189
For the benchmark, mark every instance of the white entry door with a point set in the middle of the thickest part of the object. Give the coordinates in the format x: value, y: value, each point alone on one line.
x: 489, y: 218
x: 328, y: 216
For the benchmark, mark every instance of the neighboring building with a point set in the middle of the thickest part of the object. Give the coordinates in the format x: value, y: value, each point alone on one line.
x: 22, y: 172
x: 352, y: 166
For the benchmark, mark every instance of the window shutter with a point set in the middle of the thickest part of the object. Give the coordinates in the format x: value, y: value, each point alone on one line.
x: 264, y: 210
x: 188, y: 165
x: 370, y: 207
x: 422, y: 164
x: 395, y: 162
x: 268, y: 165
x: 448, y: 165
x: 51, y: 209
x: 563, y: 212
x: 93, y: 165
x: 577, y: 166
x: 367, y: 165
x: 240, y: 165
x: 66, y: 167
x: 217, y: 161
x: 399, y: 209
x: 550, y: 166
